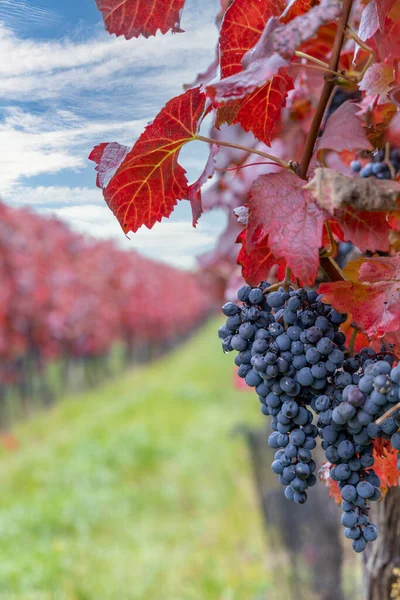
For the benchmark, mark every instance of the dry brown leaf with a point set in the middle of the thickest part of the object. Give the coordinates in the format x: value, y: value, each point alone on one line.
x: 332, y: 191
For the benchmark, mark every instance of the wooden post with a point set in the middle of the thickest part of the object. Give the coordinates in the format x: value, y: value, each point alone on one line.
x: 382, y: 556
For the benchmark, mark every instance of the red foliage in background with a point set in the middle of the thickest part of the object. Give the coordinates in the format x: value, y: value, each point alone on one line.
x: 63, y: 294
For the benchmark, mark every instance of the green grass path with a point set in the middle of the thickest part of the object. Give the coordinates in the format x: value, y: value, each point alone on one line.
x: 136, y: 490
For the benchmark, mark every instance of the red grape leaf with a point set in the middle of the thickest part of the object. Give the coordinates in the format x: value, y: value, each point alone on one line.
x: 344, y: 131
x: 241, y: 29
x: 296, y: 8
x: 382, y: 8
x: 260, y: 111
x: 290, y: 216
x: 132, y: 18
x: 374, y: 301
x: 274, y: 49
x: 108, y: 157
x: 366, y: 230
x: 378, y: 81
x: 256, y: 264
x: 195, y: 188
x: 150, y: 180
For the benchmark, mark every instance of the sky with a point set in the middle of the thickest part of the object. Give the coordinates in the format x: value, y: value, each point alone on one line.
x: 66, y: 86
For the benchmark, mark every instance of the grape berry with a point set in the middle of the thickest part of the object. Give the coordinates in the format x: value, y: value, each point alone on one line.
x: 289, y: 348
x: 377, y: 167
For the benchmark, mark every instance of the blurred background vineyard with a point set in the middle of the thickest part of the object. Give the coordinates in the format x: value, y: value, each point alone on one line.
x: 131, y: 461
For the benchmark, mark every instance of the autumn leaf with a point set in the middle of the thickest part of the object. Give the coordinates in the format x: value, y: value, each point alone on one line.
x: 366, y: 230
x: 344, y: 131
x: 260, y: 111
x: 256, y: 264
x: 242, y: 27
x: 132, y: 18
x: 378, y: 81
x: 274, y: 49
x: 295, y: 8
x: 150, y: 180
x: 108, y: 157
x: 195, y: 188
x: 373, y: 301
x: 288, y: 213
x: 382, y: 8
x: 332, y: 191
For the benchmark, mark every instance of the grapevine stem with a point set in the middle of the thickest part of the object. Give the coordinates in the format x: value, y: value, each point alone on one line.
x: 286, y: 283
x: 388, y: 414
x: 275, y: 159
x: 326, y: 90
x: 328, y: 264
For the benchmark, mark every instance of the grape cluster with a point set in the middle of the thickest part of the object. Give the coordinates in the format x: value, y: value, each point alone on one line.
x: 347, y: 428
x: 289, y: 348
x: 291, y: 351
x: 377, y: 166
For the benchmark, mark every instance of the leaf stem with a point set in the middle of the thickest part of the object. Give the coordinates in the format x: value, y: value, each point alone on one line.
x: 352, y: 340
x: 388, y: 414
x: 275, y: 159
x: 326, y: 90
x: 337, y: 74
x: 352, y: 35
x: 389, y: 162
x: 332, y: 242
x: 331, y: 269
x: 311, y: 59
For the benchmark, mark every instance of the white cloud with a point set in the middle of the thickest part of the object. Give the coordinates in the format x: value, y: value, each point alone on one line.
x: 42, y: 70
x: 174, y: 242
x: 33, y: 145
x: 17, y: 11
x: 41, y: 197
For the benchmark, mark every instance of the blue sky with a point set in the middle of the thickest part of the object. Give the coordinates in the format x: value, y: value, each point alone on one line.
x: 67, y: 85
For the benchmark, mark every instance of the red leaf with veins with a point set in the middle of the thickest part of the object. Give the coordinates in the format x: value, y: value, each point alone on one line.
x: 108, y: 158
x: 132, y: 18
x: 374, y: 302
x: 296, y: 8
x: 344, y: 131
x: 261, y: 111
x: 382, y: 8
x: 290, y: 216
x: 274, y: 49
x: 150, y: 180
x: 366, y: 230
x: 241, y: 29
x: 195, y: 188
x: 256, y: 264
